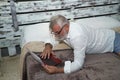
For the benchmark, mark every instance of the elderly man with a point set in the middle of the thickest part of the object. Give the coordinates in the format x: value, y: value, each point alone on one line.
x: 82, y: 39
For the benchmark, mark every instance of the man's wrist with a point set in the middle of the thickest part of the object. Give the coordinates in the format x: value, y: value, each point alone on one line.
x: 48, y: 45
x: 60, y: 70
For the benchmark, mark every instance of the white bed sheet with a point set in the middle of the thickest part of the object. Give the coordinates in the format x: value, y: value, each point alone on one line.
x: 40, y: 32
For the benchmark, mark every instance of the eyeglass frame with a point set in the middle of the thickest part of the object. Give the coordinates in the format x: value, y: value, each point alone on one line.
x: 58, y: 32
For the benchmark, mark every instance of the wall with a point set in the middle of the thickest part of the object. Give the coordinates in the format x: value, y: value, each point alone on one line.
x: 31, y: 12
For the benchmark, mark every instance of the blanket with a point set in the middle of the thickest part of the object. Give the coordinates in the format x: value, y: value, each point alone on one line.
x: 36, y: 46
x: 103, y: 66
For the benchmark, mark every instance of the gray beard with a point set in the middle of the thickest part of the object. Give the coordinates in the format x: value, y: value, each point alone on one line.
x: 61, y: 38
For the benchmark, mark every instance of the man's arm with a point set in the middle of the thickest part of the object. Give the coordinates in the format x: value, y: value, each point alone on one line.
x: 53, y: 69
x: 47, y: 51
x: 79, y: 46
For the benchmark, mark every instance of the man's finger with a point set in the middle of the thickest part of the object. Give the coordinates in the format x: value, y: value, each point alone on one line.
x: 44, y: 56
x: 48, y: 56
x: 46, y: 68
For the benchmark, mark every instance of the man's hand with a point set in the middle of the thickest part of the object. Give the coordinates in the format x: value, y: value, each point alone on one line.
x: 53, y: 69
x: 47, y: 51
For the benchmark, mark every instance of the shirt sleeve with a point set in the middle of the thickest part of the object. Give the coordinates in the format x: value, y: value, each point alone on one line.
x: 79, y: 46
x: 51, y: 39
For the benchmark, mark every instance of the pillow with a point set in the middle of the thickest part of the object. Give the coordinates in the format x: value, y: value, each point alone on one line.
x: 36, y: 32
x: 100, y: 22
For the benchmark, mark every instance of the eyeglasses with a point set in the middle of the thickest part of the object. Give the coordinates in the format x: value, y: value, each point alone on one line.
x: 58, y: 32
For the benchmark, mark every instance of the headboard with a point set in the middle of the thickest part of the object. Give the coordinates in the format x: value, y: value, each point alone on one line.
x: 40, y: 11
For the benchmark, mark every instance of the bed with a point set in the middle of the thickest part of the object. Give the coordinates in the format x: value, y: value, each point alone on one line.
x: 96, y: 67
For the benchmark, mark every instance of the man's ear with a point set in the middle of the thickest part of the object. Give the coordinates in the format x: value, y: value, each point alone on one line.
x: 67, y: 27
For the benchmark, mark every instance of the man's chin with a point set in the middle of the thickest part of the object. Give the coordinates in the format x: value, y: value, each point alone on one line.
x: 59, y: 39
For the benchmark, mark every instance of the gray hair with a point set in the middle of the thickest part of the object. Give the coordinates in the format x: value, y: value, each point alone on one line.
x: 59, y: 20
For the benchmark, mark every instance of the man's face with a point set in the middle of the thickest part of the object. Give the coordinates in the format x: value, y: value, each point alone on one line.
x: 59, y: 32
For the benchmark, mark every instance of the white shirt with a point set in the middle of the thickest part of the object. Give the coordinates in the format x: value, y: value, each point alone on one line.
x: 84, y: 39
